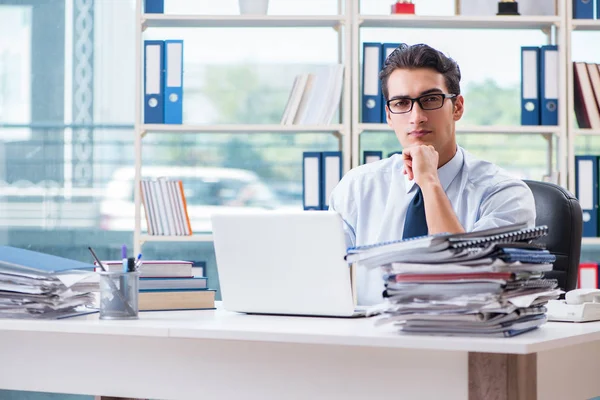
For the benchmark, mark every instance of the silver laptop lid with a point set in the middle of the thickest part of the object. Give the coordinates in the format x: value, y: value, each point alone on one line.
x: 283, y: 262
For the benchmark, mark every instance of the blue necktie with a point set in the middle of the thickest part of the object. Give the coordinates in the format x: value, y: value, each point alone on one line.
x: 416, y: 223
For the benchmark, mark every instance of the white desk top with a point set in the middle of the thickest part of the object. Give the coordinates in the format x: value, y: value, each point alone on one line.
x: 223, y: 325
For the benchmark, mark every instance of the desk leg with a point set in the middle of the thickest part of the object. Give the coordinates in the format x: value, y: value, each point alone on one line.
x: 502, y: 376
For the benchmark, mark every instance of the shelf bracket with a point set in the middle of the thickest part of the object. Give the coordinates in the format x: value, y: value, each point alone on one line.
x: 143, y: 133
x: 144, y: 24
x: 547, y: 32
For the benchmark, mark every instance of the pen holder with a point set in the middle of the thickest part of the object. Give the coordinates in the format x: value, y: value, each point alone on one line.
x: 119, y: 295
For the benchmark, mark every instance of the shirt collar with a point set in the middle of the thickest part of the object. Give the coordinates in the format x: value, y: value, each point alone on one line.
x: 447, y: 172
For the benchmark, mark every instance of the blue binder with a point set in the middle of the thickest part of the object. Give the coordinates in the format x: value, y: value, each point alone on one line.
x: 371, y: 88
x: 173, y: 81
x: 311, y: 180
x: 387, y: 49
x: 583, y: 9
x: 331, y: 173
x: 530, y: 93
x: 154, y: 7
x: 549, y: 85
x: 370, y: 156
x: 586, y: 190
x: 153, y: 81
x: 22, y: 259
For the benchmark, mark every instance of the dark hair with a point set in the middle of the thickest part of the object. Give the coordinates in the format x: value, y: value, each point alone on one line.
x: 421, y: 56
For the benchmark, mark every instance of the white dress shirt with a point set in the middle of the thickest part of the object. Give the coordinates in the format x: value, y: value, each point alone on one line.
x: 373, y: 198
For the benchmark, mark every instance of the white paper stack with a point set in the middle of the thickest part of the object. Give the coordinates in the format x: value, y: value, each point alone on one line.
x: 488, y: 283
x: 37, y: 285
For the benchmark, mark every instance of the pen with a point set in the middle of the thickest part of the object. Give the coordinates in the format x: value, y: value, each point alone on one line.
x: 124, y: 257
x: 138, y: 262
x: 97, y: 260
x: 131, y: 264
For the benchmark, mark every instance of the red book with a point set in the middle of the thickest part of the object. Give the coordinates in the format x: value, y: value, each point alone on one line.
x: 452, y: 277
x: 587, y: 277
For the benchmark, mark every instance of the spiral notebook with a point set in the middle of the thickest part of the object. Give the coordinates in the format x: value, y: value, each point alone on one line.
x: 506, y: 237
x: 504, y: 234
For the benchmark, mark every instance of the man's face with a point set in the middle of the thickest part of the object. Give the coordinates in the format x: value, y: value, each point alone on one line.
x: 428, y: 127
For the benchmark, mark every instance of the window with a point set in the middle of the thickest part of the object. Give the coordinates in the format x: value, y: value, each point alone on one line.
x: 67, y: 104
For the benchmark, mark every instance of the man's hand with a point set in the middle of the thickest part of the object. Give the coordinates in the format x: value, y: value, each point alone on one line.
x: 421, y: 164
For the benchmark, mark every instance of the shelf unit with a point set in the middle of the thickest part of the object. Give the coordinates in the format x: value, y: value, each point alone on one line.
x: 487, y: 129
x: 341, y: 23
x: 196, y: 237
x: 456, y: 22
x: 576, y: 25
x: 241, y: 21
x: 557, y: 28
x: 553, y: 26
x: 266, y: 128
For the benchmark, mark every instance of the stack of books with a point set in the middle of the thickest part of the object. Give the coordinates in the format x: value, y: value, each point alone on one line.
x: 165, y: 207
x: 314, y: 98
x: 42, y: 286
x: 487, y: 283
x: 170, y: 285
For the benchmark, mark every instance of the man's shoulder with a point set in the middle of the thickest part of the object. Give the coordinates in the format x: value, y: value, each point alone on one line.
x: 375, y: 169
x: 486, y: 173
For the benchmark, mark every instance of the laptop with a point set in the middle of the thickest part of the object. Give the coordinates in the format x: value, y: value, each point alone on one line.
x: 284, y: 262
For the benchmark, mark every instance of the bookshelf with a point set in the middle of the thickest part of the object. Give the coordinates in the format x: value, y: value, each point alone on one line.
x: 348, y: 23
x: 272, y: 128
x: 552, y: 26
x: 240, y: 21
x: 457, y: 22
x: 196, y: 237
x: 504, y: 130
x: 341, y: 23
x: 588, y: 25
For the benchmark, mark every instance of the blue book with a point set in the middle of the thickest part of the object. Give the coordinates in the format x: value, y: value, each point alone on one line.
x: 371, y: 88
x: 530, y: 85
x: 549, y: 85
x: 586, y: 191
x: 196, y: 283
x: 173, y: 82
x: 154, y: 53
x: 331, y: 173
x: 370, y: 156
x: 311, y: 180
x: 386, y: 50
x: 21, y: 259
x: 583, y: 9
x: 154, y: 7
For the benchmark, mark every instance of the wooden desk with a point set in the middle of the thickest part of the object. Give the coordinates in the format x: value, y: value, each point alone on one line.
x: 223, y: 355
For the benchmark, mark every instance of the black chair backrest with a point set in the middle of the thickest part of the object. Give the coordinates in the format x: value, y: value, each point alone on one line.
x: 561, y: 212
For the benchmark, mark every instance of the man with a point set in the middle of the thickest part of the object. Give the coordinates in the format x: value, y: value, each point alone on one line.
x: 434, y: 186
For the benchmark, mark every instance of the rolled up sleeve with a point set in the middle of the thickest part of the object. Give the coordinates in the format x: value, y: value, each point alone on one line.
x: 506, y: 203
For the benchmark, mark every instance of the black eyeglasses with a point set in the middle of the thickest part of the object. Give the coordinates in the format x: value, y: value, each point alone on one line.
x: 427, y: 102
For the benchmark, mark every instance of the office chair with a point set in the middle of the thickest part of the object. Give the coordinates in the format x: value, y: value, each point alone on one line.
x: 561, y: 212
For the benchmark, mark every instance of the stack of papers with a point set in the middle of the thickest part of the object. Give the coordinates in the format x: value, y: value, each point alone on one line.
x: 37, y: 285
x: 487, y: 283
